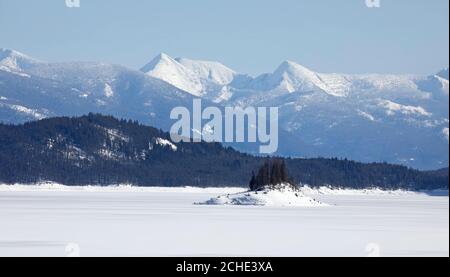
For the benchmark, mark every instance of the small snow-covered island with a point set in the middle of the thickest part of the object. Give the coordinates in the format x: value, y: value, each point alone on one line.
x: 272, y: 186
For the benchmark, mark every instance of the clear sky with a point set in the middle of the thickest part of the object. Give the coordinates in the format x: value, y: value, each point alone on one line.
x: 250, y: 36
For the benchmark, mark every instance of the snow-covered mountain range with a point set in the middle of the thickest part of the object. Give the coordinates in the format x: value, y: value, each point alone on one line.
x: 32, y: 89
x: 373, y: 117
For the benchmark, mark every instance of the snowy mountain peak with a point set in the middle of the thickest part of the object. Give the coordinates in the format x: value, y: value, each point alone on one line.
x: 9, y: 53
x: 14, y: 55
x: 14, y: 61
x: 161, y: 58
x: 296, y: 72
x: 291, y: 77
x: 291, y: 66
x: 195, y: 77
x: 169, y: 70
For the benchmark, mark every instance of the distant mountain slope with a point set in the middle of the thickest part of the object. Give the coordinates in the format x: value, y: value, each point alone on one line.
x: 101, y: 150
x: 399, y: 119
x: 32, y: 89
x: 443, y: 74
x: 373, y: 117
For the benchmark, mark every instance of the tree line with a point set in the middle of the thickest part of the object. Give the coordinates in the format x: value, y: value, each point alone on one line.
x: 102, y: 150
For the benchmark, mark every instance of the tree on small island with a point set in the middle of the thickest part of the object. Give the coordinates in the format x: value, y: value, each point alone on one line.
x: 272, y: 173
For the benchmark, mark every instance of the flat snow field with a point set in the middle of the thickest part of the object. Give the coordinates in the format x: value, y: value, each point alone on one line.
x: 164, y: 222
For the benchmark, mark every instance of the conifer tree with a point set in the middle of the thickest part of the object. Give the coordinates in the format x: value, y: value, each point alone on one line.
x: 253, y: 183
x: 284, y: 172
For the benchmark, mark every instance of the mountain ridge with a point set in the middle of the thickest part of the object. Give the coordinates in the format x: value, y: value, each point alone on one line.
x: 400, y: 119
x: 289, y: 71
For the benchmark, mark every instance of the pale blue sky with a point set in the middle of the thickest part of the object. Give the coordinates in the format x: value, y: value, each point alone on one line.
x: 250, y: 36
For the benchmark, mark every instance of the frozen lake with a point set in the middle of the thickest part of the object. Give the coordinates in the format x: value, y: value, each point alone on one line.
x: 164, y: 222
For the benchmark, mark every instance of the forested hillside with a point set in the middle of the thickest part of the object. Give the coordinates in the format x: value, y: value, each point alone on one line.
x: 102, y: 150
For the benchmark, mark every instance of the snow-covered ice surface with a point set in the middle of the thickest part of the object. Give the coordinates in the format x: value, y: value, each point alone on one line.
x: 53, y: 220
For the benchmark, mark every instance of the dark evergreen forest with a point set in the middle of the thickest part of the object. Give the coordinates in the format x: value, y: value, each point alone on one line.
x: 102, y: 150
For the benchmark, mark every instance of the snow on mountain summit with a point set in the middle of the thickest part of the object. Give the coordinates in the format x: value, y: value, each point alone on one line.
x: 292, y: 77
x: 195, y: 77
x: 160, y: 60
x: 207, y: 70
x: 15, y: 62
x: 214, y: 81
x: 9, y: 53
